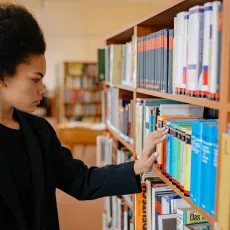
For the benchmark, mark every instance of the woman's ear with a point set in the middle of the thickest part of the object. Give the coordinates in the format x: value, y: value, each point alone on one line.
x: 2, y: 84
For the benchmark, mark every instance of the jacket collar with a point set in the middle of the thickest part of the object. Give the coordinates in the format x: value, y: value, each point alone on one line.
x: 7, y: 187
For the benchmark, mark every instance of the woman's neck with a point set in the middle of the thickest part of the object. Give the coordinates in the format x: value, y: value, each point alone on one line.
x: 6, y: 116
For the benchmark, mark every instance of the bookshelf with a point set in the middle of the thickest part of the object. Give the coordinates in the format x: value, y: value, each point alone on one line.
x: 80, y: 93
x: 161, y: 19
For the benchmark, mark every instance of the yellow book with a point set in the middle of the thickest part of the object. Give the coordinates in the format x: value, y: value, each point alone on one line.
x: 224, y: 184
x: 188, y: 216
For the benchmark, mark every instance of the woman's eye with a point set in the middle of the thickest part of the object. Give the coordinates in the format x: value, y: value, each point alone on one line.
x: 36, y: 80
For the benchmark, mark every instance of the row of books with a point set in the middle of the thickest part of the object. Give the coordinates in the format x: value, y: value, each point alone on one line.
x: 80, y: 82
x: 183, y: 60
x: 72, y: 96
x: 109, y: 153
x: 147, y: 111
x: 81, y: 69
x: 188, y: 157
x: 190, y: 149
x: 83, y: 110
x: 117, y: 61
x: 109, y: 67
x: 125, y: 114
x: 158, y: 207
x: 117, y: 215
x: 186, y: 59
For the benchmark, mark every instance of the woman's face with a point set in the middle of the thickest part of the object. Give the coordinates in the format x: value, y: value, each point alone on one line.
x: 24, y: 90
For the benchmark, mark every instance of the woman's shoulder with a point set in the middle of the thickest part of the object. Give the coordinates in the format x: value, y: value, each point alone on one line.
x: 40, y: 123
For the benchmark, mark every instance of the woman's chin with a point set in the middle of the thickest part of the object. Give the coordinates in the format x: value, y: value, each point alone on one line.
x: 29, y: 109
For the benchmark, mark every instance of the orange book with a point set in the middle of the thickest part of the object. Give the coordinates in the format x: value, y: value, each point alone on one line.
x: 141, y: 210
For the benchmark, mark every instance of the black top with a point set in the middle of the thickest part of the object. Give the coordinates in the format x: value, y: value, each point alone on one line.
x: 14, y: 147
x: 52, y: 167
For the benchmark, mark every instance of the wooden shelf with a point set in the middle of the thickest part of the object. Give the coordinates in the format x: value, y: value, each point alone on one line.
x: 129, y: 146
x: 123, y: 35
x: 127, y: 202
x: 191, y: 100
x: 82, y: 115
x: 124, y: 87
x: 82, y: 103
x: 208, y: 217
x: 82, y: 89
x: 80, y: 75
x: 120, y: 86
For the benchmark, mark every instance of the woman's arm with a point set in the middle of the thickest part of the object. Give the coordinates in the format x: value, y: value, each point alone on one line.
x: 83, y: 183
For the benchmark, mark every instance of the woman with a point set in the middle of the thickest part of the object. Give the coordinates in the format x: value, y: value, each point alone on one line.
x: 32, y: 161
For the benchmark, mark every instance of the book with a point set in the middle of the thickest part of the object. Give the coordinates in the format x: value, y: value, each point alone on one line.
x: 167, y: 222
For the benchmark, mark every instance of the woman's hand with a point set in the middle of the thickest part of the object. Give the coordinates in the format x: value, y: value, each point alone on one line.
x: 147, y: 158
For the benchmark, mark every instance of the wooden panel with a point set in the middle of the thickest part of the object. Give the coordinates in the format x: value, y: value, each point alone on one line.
x: 224, y: 105
x: 181, y: 98
x: 78, y: 135
x: 120, y: 37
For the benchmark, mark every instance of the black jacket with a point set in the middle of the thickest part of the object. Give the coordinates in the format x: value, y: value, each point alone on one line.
x: 53, y: 167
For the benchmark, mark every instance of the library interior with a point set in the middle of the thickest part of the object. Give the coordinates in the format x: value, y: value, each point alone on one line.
x: 124, y: 123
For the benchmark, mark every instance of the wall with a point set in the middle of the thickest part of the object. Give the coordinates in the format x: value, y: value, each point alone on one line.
x: 74, y: 29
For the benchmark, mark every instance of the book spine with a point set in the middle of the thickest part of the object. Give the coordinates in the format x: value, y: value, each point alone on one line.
x: 182, y: 163
x: 214, y: 160
x: 187, y: 170
x: 206, y: 48
x: 205, y: 167
x: 170, y: 62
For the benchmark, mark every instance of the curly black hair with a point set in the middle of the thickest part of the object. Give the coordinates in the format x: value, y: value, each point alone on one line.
x: 20, y: 38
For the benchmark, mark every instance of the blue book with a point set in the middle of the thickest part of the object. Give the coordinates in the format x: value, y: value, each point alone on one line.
x: 206, y: 164
x: 213, y: 174
x: 197, y: 130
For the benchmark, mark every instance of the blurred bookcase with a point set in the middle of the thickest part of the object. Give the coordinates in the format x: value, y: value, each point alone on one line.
x: 78, y: 92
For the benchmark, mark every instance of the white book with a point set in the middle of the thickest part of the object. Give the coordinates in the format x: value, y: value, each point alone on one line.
x: 165, y: 205
x: 206, y: 45
x: 180, y: 37
x: 181, y: 110
x: 167, y: 222
x: 139, y: 128
x: 185, y: 48
x: 154, y: 191
x: 149, y: 203
x: 195, y: 48
x: 125, y: 220
x: 214, y: 47
x: 177, y: 204
x: 134, y: 63
x: 119, y: 211
x: 114, y: 212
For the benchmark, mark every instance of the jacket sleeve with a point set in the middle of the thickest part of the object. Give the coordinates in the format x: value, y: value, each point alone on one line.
x: 83, y: 183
